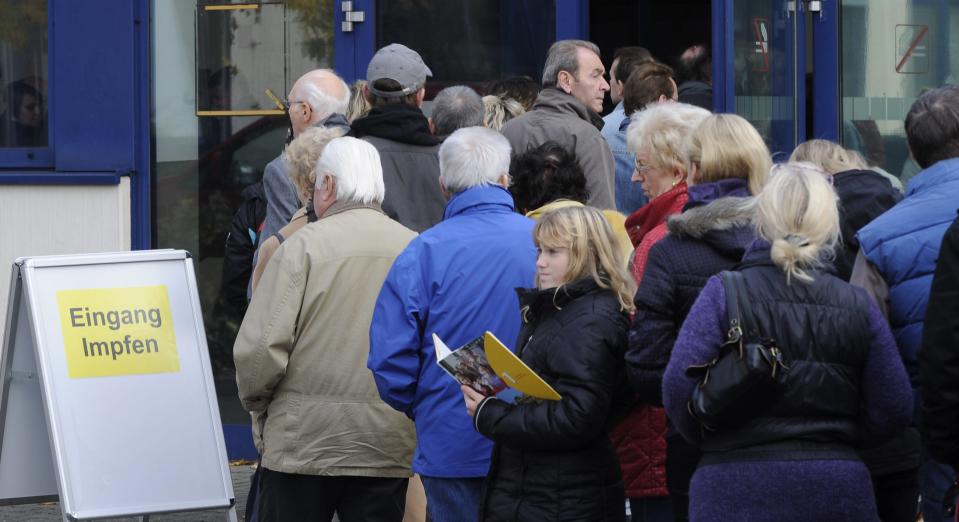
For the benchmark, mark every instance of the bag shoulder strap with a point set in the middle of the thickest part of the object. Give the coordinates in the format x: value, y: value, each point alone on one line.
x: 730, y: 282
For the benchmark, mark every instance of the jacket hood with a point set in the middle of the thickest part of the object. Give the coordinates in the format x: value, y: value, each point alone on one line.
x: 725, y: 224
x: 554, y: 100
x: 400, y: 122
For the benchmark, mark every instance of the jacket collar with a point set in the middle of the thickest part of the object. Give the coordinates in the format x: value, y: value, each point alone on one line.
x: 342, y: 206
x: 706, y: 193
x: 552, y: 205
x: 555, y: 100
x: 721, y: 214
x: 941, y: 172
x: 535, y: 302
x: 493, y: 196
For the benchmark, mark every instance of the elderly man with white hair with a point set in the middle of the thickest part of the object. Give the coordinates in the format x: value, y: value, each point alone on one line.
x: 328, y: 443
x: 457, y: 280
x: 318, y: 98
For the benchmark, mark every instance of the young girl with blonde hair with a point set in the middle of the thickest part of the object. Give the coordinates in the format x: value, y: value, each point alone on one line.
x: 553, y: 460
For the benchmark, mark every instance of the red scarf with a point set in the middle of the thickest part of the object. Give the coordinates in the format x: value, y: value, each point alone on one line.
x: 647, y: 217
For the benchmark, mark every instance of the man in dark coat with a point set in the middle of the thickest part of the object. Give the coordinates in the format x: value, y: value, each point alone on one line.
x: 401, y: 134
x: 939, y: 356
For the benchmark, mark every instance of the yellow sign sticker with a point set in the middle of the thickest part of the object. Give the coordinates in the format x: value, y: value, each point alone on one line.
x: 118, y: 331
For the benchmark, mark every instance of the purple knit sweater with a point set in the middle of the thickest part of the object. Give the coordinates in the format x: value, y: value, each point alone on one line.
x: 784, y: 490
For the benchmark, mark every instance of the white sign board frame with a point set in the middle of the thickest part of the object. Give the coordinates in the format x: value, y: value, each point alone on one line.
x: 116, y: 445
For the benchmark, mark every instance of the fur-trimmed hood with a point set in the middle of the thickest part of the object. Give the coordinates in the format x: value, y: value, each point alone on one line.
x: 724, y: 223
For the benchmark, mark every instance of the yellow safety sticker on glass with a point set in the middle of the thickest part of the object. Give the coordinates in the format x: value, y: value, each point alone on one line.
x: 118, y: 331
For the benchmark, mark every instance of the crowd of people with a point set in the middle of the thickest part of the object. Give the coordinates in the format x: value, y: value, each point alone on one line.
x: 599, y: 250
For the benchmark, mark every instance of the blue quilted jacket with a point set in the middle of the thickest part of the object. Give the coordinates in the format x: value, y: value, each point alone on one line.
x: 903, y: 245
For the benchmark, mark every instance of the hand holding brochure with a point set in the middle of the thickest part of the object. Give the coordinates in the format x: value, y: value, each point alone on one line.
x: 489, y: 367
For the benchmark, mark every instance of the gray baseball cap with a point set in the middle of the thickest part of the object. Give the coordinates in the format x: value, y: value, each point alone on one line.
x: 399, y: 63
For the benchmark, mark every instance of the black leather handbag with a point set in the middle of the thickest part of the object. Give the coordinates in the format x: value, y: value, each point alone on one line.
x: 748, y: 375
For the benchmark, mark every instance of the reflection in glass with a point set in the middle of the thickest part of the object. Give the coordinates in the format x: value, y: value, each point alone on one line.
x: 23, y: 73
x: 892, y: 51
x: 765, y: 70
x: 494, y: 38
x: 206, y: 168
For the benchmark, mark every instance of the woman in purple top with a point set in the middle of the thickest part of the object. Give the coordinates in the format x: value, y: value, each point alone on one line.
x: 795, y: 459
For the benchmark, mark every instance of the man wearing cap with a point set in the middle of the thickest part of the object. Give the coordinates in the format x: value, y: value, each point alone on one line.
x: 566, y: 112
x: 401, y: 134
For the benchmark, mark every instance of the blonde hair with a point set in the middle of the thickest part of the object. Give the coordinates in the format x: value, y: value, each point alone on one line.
x: 797, y: 213
x: 593, y: 249
x: 498, y: 111
x: 726, y: 146
x: 359, y: 105
x: 660, y: 129
x: 828, y: 156
x: 302, y: 154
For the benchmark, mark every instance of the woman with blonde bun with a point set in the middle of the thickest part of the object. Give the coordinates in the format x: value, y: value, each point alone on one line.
x: 795, y: 459
x: 553, y: 460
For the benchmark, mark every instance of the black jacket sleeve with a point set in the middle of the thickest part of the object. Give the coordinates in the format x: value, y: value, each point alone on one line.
x: 654, y: 329
x: 584, y: 359
x: 939, y: 356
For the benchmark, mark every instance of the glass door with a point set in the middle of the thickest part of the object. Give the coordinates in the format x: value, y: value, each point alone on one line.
x: 759, y: 67
x: 892, y: 51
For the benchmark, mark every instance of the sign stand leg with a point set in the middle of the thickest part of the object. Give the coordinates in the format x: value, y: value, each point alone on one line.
x: 231, y: 514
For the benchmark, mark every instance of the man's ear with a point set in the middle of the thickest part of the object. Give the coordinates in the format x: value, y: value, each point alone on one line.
x: 503, y: 181
x: 444, y: 190
x: 564, y: 80
x: 420, y: 96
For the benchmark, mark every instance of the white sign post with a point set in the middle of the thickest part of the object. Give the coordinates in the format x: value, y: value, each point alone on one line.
x: 107, y: 397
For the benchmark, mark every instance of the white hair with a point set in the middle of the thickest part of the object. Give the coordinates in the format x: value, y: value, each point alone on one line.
x: 322, y: 102
x: 661, y: 129
x: 356, y: 167
x: 473, y: 156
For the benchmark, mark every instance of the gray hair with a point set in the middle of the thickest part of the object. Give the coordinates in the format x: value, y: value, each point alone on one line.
x: 473, y: 156
x: 322, y: 102
x: 356, y: 167
x: 562, y: 57
x: 456, y: 107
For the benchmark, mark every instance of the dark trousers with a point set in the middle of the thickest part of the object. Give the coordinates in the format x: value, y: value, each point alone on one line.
x: 290, y: 497
x: 681, y: 461
x: 897, y: 495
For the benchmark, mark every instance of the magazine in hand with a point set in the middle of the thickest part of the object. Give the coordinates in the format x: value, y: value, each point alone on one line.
x: 489, y: 367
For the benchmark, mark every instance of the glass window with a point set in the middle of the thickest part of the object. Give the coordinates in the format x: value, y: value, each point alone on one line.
x: 494, y: 39
x: 214, y: 131
x: 23, y: 73
x: 892, y: 51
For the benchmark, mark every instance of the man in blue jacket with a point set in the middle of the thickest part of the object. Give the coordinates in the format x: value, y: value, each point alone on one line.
x: 897, y: 259
x: 457, y: 280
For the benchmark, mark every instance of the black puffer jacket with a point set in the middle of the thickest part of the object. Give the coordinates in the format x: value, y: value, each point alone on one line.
x: 553, y: 459
x: 704, y: 240
x: 863, y: 195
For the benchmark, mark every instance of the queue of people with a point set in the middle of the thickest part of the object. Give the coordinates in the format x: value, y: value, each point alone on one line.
x: 509, y: 213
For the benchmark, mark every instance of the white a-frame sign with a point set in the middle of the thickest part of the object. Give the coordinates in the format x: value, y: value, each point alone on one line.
x: 107, y: 397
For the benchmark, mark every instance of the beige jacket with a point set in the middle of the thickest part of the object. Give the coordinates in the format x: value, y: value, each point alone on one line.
x: 302, y: 348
